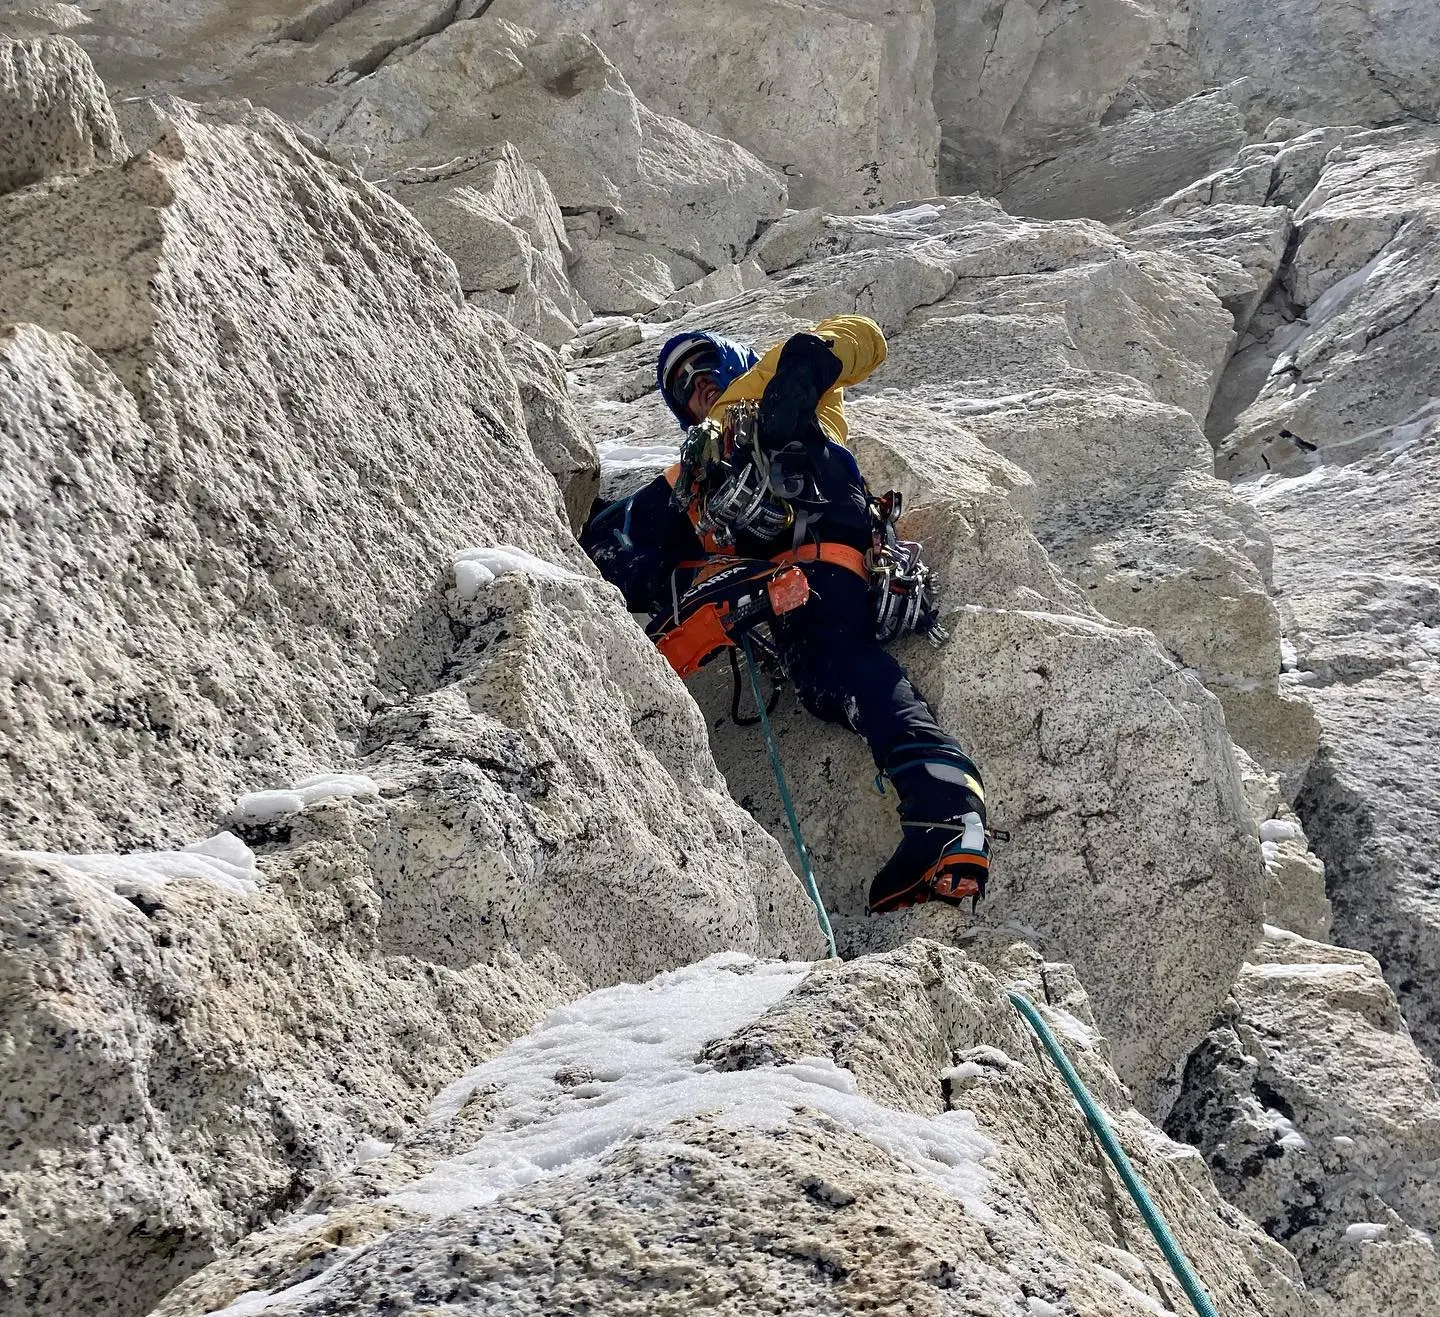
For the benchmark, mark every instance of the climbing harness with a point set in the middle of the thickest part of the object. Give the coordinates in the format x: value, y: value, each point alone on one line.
x: 727, y: 599
x: 1100, y: 1124
x: 812, y: 888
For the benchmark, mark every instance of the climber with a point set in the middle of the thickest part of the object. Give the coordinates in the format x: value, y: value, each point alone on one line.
x: 812, y: 510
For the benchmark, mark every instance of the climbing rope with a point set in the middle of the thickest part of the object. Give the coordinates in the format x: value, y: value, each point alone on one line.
x: 810, y: 884
x: 1101, y: 1126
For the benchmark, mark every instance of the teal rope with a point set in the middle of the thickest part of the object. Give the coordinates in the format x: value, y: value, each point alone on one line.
x: 1098, y: 1122
x: 810, y: 884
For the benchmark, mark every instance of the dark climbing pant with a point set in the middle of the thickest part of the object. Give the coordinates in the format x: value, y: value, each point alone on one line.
x: 841, y: 673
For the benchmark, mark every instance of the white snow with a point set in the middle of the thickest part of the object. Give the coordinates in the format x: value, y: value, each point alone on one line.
x: 633, y: 1049
x: 223, y: 859
x: 966, y: 1070
x: 1280, y: 934
x: 1039, y: 1308
x: 1364, y: 1231
x: 368, y: 1150
x: 1343, y: 1141
x: 1077, y: 1031
x: 477, y: 568
x: 926, y: 210
x: 1281, y: 830
x: 1268, y: 487
x: 1287, y: 1136
x: 631, y: 457
x: 267, y: 806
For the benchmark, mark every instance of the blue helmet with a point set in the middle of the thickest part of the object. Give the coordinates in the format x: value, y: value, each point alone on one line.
x: 692, y: 353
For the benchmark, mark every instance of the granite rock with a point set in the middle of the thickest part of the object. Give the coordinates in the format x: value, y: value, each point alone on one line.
x: 1320, y: 1119
x: 834, y: 94
x: 498, y: 220
x: 249, y: 422
x: 55, y: 117
x: 885, y: 1134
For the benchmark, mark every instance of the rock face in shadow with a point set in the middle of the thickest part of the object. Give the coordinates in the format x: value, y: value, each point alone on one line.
x: 751, y: 1137
x: 1320, y: 1119
x: 248, y: 422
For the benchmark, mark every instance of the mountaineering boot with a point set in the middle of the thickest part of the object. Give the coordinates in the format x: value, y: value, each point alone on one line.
x: 944, y: 854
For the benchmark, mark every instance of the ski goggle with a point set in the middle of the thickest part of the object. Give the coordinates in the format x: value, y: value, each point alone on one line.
x: 689, y: 373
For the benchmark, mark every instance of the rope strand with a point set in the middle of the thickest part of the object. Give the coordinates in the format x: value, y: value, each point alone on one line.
x: 1100, y: 1124
x: 811, y: 887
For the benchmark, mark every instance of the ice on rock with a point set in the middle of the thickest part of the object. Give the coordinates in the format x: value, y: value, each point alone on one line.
x: 266, y: 806
x: 224, y: 860
x: 478, y: 568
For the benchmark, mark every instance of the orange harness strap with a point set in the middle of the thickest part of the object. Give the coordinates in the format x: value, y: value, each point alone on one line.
x: 837, y: 555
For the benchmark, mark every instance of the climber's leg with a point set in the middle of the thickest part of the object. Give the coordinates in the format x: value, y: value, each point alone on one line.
x: 843, y: 675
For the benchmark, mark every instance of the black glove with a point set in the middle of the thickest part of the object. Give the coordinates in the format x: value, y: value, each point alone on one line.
x: 807, y: 369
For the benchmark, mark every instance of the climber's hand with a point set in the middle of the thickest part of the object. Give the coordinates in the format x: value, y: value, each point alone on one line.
x: 806, y: 370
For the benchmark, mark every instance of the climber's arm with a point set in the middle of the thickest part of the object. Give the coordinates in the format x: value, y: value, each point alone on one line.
x: 857, y: 342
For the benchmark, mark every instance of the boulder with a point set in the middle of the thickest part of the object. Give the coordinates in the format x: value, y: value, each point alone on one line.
x: 55, y: 118
x: 259, y: 452
x: 571, y: 115
x: 1118, y: 169
x: 1320, y: 1119
x: 752, y: 1137
x: 498, y: 220
x: 835, y: 95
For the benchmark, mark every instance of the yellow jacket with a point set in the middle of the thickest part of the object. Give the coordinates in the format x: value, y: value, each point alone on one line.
x: 856, y: 340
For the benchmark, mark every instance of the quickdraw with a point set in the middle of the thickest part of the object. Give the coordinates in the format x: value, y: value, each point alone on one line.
x: 729, y: 485
x: 902, y: 585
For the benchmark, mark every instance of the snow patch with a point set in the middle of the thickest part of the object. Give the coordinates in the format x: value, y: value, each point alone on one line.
x: 223, y: 859
x: 267, y: 806
x: 1281, y: 830
x: 966, y: 1070
x: 1077, y: 1031
x: 1286, y: 1135
x: 636, y: 1047
x: 635, y: 457
x: 1269, y: 487
x: 478, y: 568
x: 1364, y: 1232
